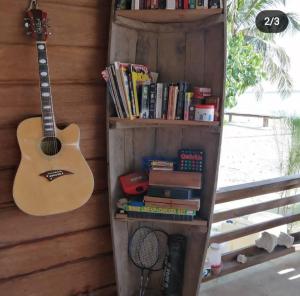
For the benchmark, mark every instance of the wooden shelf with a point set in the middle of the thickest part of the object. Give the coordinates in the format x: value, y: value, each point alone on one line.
x: 202, y: 224
x: 168, y: 16
x: 255, y: 256
x: 116, y: 122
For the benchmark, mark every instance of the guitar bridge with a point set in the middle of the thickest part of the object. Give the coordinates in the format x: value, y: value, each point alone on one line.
x: 54, y: 174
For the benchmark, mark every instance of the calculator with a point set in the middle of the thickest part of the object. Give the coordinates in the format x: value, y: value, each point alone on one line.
x: 191, y: 160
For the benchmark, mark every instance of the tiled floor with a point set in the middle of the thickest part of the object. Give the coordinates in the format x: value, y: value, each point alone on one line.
x: 279, y: 277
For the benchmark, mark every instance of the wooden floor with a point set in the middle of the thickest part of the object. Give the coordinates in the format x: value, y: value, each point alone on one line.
x: 278, y: 277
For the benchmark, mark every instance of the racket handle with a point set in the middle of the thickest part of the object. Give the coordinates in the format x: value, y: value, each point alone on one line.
x: 146, y: 283
x: 174, y: 269
x: 141, y: 284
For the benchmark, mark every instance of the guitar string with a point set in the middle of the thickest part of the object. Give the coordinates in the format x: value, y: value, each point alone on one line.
x: 50, y: 146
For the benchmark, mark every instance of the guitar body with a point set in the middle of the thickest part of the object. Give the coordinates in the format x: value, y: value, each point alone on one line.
x: 50, y: 184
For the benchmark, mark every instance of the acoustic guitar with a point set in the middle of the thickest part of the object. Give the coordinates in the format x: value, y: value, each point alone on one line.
x: 53, y: 177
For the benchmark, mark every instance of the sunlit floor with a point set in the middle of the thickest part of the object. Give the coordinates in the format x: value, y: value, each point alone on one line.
x: 279, y: 277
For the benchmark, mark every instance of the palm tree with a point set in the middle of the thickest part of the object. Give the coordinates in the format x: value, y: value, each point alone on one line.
x: 241, y: 20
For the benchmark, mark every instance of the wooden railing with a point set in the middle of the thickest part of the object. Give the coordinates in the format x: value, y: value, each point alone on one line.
x: 243, y: 191
x: 264, y: 117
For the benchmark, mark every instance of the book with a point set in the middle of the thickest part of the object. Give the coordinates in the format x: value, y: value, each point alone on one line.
x: 157, y: 210
x: 189, y: 204
x: 215, y: 4
x: 124, y: 69
x: 123, y: 4
x: 162, y: 4
x: 170, y: 102
x: 160, y: 216
x: 152, y: 103
x: 192, y: 180
x: 174, y: 102
x: 182, y: 89
x: 201, y: 4
x: 135, y: 4
x: 140, y: 74
x: 114, y: 97
x: 121, y: 89
x: 159, y: 98
x: 171, y: 4
x: 192, y: 4
x: 187, y: 103
x: 114, y: 83
x: 185, y: 4
x: 173, y: 192
x: 145, y: 100
x: 165, y: 95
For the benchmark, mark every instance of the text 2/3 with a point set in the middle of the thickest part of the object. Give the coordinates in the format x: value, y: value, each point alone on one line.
x: 271, y: 21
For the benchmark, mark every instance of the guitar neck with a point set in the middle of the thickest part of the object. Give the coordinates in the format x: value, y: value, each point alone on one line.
x: 48, y: 120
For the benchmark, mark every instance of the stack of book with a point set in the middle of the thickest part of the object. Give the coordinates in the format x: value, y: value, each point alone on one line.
x: 172, y: 195
x: 124, y: 82
x: 135, y: 94
x: 168, y: 4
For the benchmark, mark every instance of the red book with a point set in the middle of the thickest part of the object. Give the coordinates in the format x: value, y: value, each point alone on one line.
x: 185, y: 4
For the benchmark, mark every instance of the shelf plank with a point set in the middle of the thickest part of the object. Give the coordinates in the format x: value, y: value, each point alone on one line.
x: 202, y: 224
x: 168, y: 16
x: 116, y: 122
x: 255, y: 257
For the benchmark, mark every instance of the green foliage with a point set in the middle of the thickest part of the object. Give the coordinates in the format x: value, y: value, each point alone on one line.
x: 276, y: 63
x: 244, y: 68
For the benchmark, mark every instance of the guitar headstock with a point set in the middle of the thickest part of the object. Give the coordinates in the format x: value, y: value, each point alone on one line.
x: 36, y: 23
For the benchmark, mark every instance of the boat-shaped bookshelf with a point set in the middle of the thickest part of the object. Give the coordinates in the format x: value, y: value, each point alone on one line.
x: 184, y: 45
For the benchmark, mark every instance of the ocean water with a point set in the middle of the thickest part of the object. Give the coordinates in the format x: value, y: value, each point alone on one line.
x: 270, y: 104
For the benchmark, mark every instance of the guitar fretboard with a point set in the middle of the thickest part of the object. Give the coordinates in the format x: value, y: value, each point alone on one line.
x: 45, y: 88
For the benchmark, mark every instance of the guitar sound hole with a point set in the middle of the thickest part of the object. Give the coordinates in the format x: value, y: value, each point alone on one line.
x: 50, y: 145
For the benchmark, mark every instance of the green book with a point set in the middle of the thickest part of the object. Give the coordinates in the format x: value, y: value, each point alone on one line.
x: 192, y: 4
x: 157, y: 210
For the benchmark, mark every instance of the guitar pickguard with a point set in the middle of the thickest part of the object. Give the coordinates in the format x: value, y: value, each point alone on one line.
x: 52, y: 175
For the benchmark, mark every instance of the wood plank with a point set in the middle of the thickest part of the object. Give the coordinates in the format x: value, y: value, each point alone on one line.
x: 31, y: 257
x: 238, y: 212
x: 116, y: 122
x: 92, y: 144
x: 17, y: 227
x: 228, y: 236
x: 255, y: 256
x: 72, y: 103
x: 246, y: 190
x: 201, y: 224
x: 70, y: 279
x: 98, y: 167
x: 78, y: 64
x: 110, y: 290
x: 168, y: 16
x: 123, y: 44
x: 64, y: 23
x: 171, y: 56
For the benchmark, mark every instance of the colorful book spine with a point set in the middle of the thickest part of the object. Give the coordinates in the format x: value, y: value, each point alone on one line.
x: 152, y: 102
x: 180, y: 100
x: 192, y: 4
x: 160, y: 216
x: 159, y: 98
x: 164, y: 106
x: 157, y: 210
x: 162, y: 4
x: 171, y: 4
x: 187, y: 103
x: 185, y: 4
x: 174, y: 102
x: 145, y: 101
x: 202, y: 4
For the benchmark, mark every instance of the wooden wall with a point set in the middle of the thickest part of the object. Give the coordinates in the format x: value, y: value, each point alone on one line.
x: 69, y: 253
